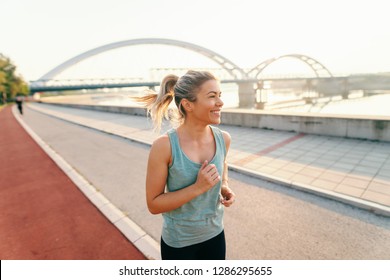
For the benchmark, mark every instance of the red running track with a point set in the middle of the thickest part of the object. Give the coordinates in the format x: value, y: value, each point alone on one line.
x: 43, y: 215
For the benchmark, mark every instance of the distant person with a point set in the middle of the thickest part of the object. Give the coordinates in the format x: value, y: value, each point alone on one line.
x: 187, y: 173
x: 19, y: 103
x: 4, y: 96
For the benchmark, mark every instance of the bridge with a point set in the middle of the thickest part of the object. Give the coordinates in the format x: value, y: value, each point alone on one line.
x: 249, y: 81
x: 79, y: 84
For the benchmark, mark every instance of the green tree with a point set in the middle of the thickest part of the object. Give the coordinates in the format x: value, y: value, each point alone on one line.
x: 10, y: 83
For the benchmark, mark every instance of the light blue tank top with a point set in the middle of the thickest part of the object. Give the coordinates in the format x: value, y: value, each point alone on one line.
x: 201, y: 218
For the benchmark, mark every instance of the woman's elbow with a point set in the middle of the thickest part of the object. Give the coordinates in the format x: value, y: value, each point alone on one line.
x: 153, y: 209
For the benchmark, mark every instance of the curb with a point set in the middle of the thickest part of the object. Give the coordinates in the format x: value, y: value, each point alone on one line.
x: 136, y: 235
x: 359, y: 203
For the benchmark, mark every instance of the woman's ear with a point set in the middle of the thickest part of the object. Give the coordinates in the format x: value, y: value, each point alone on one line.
x: 187, y: 105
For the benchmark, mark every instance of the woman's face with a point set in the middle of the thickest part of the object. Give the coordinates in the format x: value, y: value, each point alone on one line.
x: 208, y: 104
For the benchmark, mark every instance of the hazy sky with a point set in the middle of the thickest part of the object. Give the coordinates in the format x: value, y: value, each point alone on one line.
x: 346, y: 36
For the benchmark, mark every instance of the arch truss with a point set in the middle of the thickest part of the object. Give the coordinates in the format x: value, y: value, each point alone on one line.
x: 235, y: 71
x: 319, y: 69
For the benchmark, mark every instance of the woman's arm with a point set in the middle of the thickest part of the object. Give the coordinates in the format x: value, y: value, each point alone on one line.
x: 228, y: 195
x: 157, y: 199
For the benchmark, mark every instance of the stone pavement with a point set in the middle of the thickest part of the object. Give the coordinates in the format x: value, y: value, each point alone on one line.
x: 354, y: 171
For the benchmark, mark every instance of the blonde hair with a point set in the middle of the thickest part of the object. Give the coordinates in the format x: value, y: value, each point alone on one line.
x: 173, y: 87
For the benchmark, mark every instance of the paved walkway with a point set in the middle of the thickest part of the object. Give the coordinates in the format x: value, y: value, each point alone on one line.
x: 43, y: 215
x: 349, y: 170
x: 354, y: 171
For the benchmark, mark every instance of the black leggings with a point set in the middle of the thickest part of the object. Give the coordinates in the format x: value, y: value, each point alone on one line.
x: 212, y: 249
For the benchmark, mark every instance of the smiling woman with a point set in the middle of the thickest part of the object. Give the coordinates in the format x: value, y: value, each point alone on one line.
x: 185, y: 93
x: 187, y: 174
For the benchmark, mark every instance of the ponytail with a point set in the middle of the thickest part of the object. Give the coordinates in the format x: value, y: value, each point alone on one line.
x: 157, y: 104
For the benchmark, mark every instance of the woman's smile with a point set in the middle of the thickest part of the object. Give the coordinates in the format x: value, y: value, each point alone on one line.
x: 216, y: 112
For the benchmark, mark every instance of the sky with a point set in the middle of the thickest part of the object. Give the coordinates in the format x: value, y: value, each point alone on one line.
x: 345, y: 36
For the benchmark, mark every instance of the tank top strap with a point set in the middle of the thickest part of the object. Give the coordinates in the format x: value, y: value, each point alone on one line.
x: 219, y: 140
x: 175, y: 145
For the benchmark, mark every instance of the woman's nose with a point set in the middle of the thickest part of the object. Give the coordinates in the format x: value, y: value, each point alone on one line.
x: 219, y: 102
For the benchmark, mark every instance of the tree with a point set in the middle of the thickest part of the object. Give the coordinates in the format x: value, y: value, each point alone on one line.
x: 10, y: 83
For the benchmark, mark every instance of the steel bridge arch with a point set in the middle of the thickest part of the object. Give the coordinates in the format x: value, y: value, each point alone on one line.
x: 225, y: 63
x: 319, y: 69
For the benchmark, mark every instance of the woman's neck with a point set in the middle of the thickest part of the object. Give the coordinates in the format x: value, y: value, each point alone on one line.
x: 194, y: 131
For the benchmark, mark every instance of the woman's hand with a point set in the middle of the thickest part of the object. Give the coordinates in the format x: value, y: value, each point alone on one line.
x: 208, y: 176
x: 228, y: 196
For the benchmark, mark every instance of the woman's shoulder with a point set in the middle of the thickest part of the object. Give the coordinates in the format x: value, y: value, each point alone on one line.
x: 161, y: 148
x: 162, y: 142
x: 226, y: 136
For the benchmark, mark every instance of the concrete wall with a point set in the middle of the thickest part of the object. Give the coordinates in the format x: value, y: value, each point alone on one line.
x: 372, y: 128
x: 112, y: 109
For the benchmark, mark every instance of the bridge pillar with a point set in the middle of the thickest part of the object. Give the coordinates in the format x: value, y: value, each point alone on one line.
x: 345, y: 88
x: 261, y: 95
x: 246, y: 94
x: 309, y: 93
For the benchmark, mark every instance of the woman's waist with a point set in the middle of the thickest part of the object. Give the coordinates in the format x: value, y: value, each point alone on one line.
x: 194, y: 218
